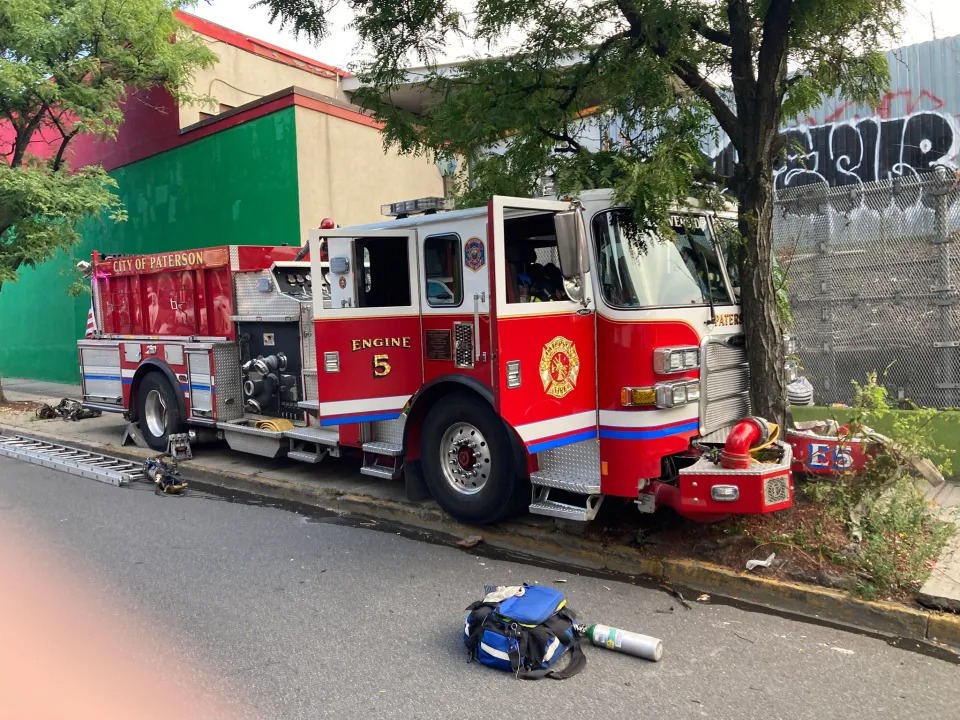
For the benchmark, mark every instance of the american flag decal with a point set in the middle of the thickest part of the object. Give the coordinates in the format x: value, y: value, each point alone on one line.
x: 91, y: 322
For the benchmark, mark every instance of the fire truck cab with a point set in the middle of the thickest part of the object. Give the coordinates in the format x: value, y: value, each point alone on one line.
x: 531, y: 353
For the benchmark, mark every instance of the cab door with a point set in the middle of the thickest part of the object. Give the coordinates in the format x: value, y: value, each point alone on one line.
x: 369, y: 354
x: 545, y: 376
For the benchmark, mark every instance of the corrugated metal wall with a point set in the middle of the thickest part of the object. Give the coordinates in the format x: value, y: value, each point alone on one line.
x: 915, y: 125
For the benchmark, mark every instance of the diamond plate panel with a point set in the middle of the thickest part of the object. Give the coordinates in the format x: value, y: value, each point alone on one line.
x: 252, y: 302
x: 98, y: 307
x: 579, y: 485
x: 388, y: 431
x: 228, y: 384
x: 578, y: 460
x: 307, y: 342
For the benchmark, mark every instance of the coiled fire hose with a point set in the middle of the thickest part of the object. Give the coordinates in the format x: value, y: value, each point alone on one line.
x: 748, y: 437
x: 278, y: 425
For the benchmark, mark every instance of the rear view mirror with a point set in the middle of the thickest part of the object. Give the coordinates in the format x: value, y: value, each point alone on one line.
x: 570, y: 241
x: 572, y: 249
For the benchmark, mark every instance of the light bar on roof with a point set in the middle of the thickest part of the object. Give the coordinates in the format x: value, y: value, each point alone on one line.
x: 413, y: 207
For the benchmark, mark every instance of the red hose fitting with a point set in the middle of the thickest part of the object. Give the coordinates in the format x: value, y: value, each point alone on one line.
x: 748, y: 433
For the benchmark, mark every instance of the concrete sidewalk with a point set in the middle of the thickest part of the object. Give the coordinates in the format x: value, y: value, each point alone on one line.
x: 106, y: 432
x: 942, y: 589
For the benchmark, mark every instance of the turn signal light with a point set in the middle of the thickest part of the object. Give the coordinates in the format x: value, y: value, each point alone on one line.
x: 634, y: 397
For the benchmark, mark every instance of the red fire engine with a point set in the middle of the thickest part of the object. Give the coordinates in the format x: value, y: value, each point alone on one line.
x: 478, y: 353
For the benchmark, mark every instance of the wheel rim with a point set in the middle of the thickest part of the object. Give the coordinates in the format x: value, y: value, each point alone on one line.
x: 465, y: 458
x: 155, y: 413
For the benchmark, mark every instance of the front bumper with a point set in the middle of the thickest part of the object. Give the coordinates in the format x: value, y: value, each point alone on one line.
x: 706, y: 489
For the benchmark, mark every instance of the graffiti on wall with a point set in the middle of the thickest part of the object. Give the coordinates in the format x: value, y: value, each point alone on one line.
x: 908, y: 134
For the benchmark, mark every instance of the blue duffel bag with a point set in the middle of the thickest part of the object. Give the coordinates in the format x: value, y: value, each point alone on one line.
x: 524, y: 630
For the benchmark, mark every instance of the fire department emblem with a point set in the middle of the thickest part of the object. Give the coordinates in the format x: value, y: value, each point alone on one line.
x: 559, y: 367
x: 474, y: 254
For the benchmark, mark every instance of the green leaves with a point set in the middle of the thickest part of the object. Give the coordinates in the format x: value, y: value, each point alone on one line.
x: 65, y: 67
x: 40, y: 211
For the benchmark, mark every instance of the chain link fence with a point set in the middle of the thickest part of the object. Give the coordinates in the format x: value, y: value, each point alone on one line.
x: 872, y: 274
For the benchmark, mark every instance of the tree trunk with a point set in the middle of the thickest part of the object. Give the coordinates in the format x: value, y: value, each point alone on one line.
x: 765, y: 352
x: 3, y: 397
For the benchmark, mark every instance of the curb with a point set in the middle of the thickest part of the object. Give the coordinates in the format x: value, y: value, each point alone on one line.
x: 546, y: 545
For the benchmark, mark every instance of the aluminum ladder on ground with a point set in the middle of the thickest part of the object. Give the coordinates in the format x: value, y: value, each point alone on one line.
x: 95, y: 466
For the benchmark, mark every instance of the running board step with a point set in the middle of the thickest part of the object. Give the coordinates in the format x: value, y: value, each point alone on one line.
x: 382, y: 459
x: 541, y: 504
x: 305, y: 456
x: 318, y: 436
x: 94, y: 466
x: 568, y: 483
x: 380, y: 471
x: 382, y: 448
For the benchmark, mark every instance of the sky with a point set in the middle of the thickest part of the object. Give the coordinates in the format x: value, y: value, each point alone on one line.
x: 925, y: 20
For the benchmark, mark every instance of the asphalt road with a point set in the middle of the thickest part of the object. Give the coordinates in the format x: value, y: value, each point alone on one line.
x: 263, y: 613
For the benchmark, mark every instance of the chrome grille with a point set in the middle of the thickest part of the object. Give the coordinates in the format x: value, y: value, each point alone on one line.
x: 725, y: 388
x: 725, y: 383
x: 719, y: 355
x: 776, y: 490
x: 463, y: 344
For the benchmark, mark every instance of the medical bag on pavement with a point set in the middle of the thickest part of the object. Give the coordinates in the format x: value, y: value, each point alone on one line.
x: 526, y: 630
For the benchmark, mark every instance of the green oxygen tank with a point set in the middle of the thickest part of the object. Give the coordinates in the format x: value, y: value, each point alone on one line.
x: 631, y: 643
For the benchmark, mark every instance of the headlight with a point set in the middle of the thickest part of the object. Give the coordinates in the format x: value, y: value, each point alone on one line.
x: 674, y: 394
x: 677, y: 359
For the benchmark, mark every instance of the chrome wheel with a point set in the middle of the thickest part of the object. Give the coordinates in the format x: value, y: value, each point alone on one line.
x: 155, y: 413
x: 465, y: 458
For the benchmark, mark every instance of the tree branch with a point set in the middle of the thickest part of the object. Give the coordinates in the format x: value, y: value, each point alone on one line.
x: 721, y: 37
x: 592, y: 63
x: 24, y: 136
x: 573, y: 145
x: 694, y: 80
x: 741, y: 57
x: 685, y: 70
x: 772, y: 61
x: 65, y: 136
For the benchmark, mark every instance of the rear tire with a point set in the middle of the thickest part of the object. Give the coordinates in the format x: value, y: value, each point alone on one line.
x: 158, y: 411
x: 469, y: 463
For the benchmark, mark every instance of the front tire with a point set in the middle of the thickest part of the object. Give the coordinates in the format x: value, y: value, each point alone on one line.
x: 158, y: 411
x: 468, y: 461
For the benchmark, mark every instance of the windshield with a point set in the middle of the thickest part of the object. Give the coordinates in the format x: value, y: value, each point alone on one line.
x: 728, y: 237
x: 637, y: 268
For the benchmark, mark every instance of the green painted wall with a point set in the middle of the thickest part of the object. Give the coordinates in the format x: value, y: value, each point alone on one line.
x: 238, y: 186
